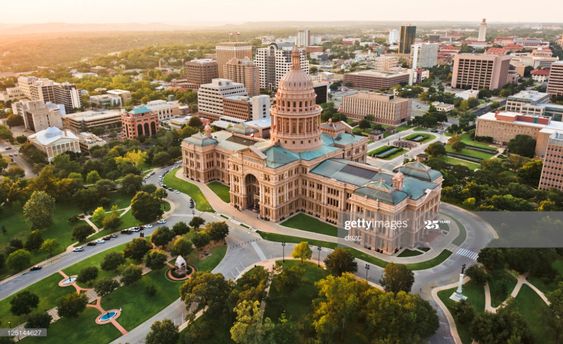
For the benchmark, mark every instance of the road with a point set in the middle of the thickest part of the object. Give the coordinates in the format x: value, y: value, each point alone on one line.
x: 12, y: 151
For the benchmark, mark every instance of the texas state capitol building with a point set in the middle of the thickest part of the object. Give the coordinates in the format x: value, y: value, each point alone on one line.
x: 316, y: 169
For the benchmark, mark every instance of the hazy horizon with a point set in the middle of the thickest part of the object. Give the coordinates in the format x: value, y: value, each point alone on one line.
x: 221, y: 12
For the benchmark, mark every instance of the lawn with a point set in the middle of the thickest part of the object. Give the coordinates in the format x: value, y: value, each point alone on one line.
x: 470, y: 152
x: 297, y: 304
x: 501, y: 284
x: 310, y: 224
x: 386, y: 152
x: 425, y: 137
x: 221, y: 190
x: 80, y: 330
x: 379, y: 150
x: 17, y: 227
x: 293, y: 239
x: 465, y: 138
x: 398, y: 152
x: 409, y: 253
x: 119, y: 199
x: 534, y: 312
x: 208, y: 263
x: 127, y: 298
x: 462, y: 233
x: 455, y: 161
x: 476, y: 298
x: 439, y: 259
x: 188, y: 188
x: 546, y: 285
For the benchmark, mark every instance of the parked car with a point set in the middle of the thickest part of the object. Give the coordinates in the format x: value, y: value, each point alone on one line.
x: 107, y: 237
x: 126, y: 231
x: 148, y: 226
x: 35, y: 268
x: 161, y: 221
x: 114, y: 235
x: 92, y: 243
x: 135, y: 229
x: 78, y: 249
x: 100, y: 241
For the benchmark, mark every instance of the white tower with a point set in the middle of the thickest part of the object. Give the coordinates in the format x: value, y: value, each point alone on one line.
x: 483, y: 31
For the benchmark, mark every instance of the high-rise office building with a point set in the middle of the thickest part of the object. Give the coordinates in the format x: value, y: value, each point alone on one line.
x: 200, y: 71
x: 408, y: 34
x: 424, y: 55
x: 38, y: 116
x: 393, y: 37
x: 228, y: 50
x: 478, y: 71
x: 385, y: 108
x: 483, y: 31
x: 46, y: 90
x: 552, y: 169
x: 555, y: 81
x: 274, y: 62
x: 210, y: 96
x: 245, y: 72
x: 303, y: 38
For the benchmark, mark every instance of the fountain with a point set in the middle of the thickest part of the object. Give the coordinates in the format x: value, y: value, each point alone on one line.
x: 180, y: 271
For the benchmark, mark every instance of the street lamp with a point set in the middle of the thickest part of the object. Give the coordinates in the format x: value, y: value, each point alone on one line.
x: 367, y: 269
x: 283, y: 251
x: 319, y: 256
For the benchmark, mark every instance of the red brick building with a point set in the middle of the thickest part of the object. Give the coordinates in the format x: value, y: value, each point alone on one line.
x: 140, y: 121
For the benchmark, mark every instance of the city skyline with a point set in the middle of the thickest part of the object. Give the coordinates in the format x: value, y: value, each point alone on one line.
x: 227, y: 12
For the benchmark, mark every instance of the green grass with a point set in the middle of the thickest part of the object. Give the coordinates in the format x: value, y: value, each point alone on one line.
x: 548, y: 285
x: 470, y: 152
x: 409, y: 253
x: 190, y: 189
x: 120, y: 200
x: 379, y: 150
x: 465, y: 138
x: 439, y: 259
x: 400, y: 151
x: 455, y: 161
x: 310, y: 224
x: 534, y: 311
x: 17, y: 227
x: 48, y: 290
x: 208, y: 263
x: 501, y: 284
x: 136, y: 305
x: 293, y: 239
x: 79, y: 330
x: 427, y: 137
x: 298, y: 303
x: 476, y: 298
x: 221, y: 190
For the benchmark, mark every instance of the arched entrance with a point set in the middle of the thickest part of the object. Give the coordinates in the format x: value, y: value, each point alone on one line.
x: 252, y: 192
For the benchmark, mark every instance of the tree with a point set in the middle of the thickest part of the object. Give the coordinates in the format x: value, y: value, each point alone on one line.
x: 18, y: 260
x: 163, y: 332
x: 92, y: 177
x: 288, y: 277
x: 34, y: 241
x: 523, y: 145
x: 38, y: 210
x: 492, y: 258
x: 87, y: 274
x: 148, y: 188
x: 14, y: 120
x: 105, y: 286
x: 180, y: 228
x: 196, y: 222
x: 71, y: 305
x: 112, y: 261
x: 397, y: 277
x: 131, y: 274
x: 205, y: 289
x: 436, y: 149
x: 505, y: 326
x: 181, y: 246
x: 146, y: 207
x: 364, y: 124
x: 463, y: 312
x: 81, y: 231
x: 195, y: 122
x: 86, y: 199
x: 217, y: 230
x: 98, y: 216
x: 302, y: 251
x: 530, y: 172
x: 249, y: 328
x: 161, y: 159
x: 162, y: 236
x: 477, y: 274
x: 200, y: 240
x: 39, y: 320
x: 111, y: 221
x: 556, y: 311
x: 23, y: 303
x: 49, y: 246
x: 131, y: 183
x: 136, y: 249
x: 155, y: 259
x: 340, y: 261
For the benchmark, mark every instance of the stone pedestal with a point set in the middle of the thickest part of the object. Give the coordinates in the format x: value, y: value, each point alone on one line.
x: 458, y: 294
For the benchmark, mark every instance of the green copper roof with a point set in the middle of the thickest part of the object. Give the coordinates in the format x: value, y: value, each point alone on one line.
x: 277, y: 156
x: 419, y: 170
x: 137, y: 110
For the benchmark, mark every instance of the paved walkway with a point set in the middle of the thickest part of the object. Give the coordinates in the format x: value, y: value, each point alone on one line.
x: 520, y: 282
x: 98, y: 305
x: 444, y: 309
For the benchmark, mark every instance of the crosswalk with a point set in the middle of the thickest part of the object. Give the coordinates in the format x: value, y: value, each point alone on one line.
x: 467, y: 253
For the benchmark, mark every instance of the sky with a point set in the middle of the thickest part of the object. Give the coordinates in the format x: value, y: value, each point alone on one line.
x: 189, y: 12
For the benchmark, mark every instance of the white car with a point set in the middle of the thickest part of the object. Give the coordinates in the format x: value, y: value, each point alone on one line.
x: 78, y: 249
x: 161, y: 221
x: 148, y: 226
x: 100, y: 241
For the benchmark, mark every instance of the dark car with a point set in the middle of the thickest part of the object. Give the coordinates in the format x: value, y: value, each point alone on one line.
x: 35, y: 268
x: 91, y: 243
x: 107, y: 237
x: 114, y: 235
x: 126, y: 231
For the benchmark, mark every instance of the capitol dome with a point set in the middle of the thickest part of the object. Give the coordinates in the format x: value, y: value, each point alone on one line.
x: 296, y: 117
